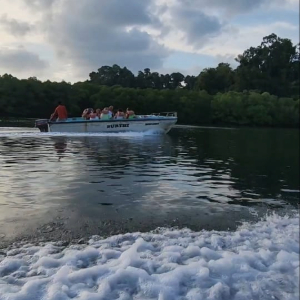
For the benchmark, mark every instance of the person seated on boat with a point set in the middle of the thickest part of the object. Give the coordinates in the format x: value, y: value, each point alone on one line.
x: 86, y: 113
x: 105, y: 114
x: 94, y: 116
x: 130, y: 114
x: 60, y: 113
x: 110, y: 112
x: 98, y: 113
x: 120, y: 114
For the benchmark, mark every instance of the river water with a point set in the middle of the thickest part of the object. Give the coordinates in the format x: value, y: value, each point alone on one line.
x: 199, y: 213
x: 72, y: 186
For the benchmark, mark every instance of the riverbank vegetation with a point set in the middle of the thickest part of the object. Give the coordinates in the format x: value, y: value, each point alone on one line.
x: 263, y: 90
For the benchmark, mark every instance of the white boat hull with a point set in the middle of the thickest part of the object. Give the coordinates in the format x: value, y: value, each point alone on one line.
x: 161, y: 125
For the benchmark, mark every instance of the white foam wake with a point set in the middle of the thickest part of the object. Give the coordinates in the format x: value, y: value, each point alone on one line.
x: 257, y: 261
x: 32, y: 132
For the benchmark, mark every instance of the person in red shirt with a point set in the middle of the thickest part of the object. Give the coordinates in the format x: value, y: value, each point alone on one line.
x: 60, y: 112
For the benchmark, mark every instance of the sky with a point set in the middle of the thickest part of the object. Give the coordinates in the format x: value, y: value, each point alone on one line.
x: 68, y: 39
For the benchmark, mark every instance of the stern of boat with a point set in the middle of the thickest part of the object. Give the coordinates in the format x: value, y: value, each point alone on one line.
x: 42, y: 125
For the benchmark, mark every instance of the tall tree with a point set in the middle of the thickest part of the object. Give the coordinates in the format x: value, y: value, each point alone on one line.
x: 176, y: 80
x: 215, y: 80
x: 114, y: 75
x: 189, y: 82
x: 268, y: 67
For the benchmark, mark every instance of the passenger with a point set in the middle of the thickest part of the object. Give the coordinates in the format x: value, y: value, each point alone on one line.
x: 86, y: 113
x: 98, y: 112
x: 110, y: 112
x: 93, y: 115
x: 105, y: 114
x: 120, y: 114
x: 60, y: 113
x: 130, y: 114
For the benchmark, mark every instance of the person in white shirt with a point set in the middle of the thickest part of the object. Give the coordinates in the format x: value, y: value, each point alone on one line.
x: 120, y: 114
x: 110, y: 112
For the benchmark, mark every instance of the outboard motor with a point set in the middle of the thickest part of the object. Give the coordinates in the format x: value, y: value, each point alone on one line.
x: 42, y: 125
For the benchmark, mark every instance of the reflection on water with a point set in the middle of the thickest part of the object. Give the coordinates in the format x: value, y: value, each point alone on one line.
x: 60, y: 145
x: 190, y: 169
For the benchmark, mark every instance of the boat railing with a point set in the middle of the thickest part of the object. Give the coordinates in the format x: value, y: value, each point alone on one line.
x: 165, y: 114
x: 42, y: 122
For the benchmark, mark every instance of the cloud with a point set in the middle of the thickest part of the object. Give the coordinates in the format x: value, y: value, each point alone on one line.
x: 39, y: 4
x: 196, y: 25
x: 119, y: 13
x: 16, y: 28
x: 235, y: 6
x: 21, y: 62
x: 78, y: 37
x: 95, y: 33
x: 229, y: 8
x: 236, y: 40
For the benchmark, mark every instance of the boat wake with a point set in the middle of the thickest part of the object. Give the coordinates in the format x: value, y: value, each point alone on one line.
x: 13, y: 132
x: 257, y: 261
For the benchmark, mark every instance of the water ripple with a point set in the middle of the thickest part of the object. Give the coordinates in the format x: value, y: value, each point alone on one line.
x: 193, y: 168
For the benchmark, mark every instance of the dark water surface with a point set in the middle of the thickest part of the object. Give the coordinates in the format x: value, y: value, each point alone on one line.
x: 74, y: 186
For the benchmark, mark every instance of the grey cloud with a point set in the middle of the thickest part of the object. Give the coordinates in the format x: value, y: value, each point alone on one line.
x: 90, y: 33
x: 235, y: 5
x: 95, y: 33
x: 119, y: 13
x: 21, y: 61
x: 230, y: 6
x: 15, y: 27
x: 197, y: 25
x: 116, y: 12
x: 39, y: 4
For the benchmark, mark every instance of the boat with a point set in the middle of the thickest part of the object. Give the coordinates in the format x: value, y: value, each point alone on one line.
x: 157, y: 122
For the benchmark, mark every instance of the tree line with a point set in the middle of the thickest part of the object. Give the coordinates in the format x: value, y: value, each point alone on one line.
x: 270, y: 67
x: 262, y: 90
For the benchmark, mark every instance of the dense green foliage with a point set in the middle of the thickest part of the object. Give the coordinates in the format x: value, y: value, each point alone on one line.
x: 221, y: 95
